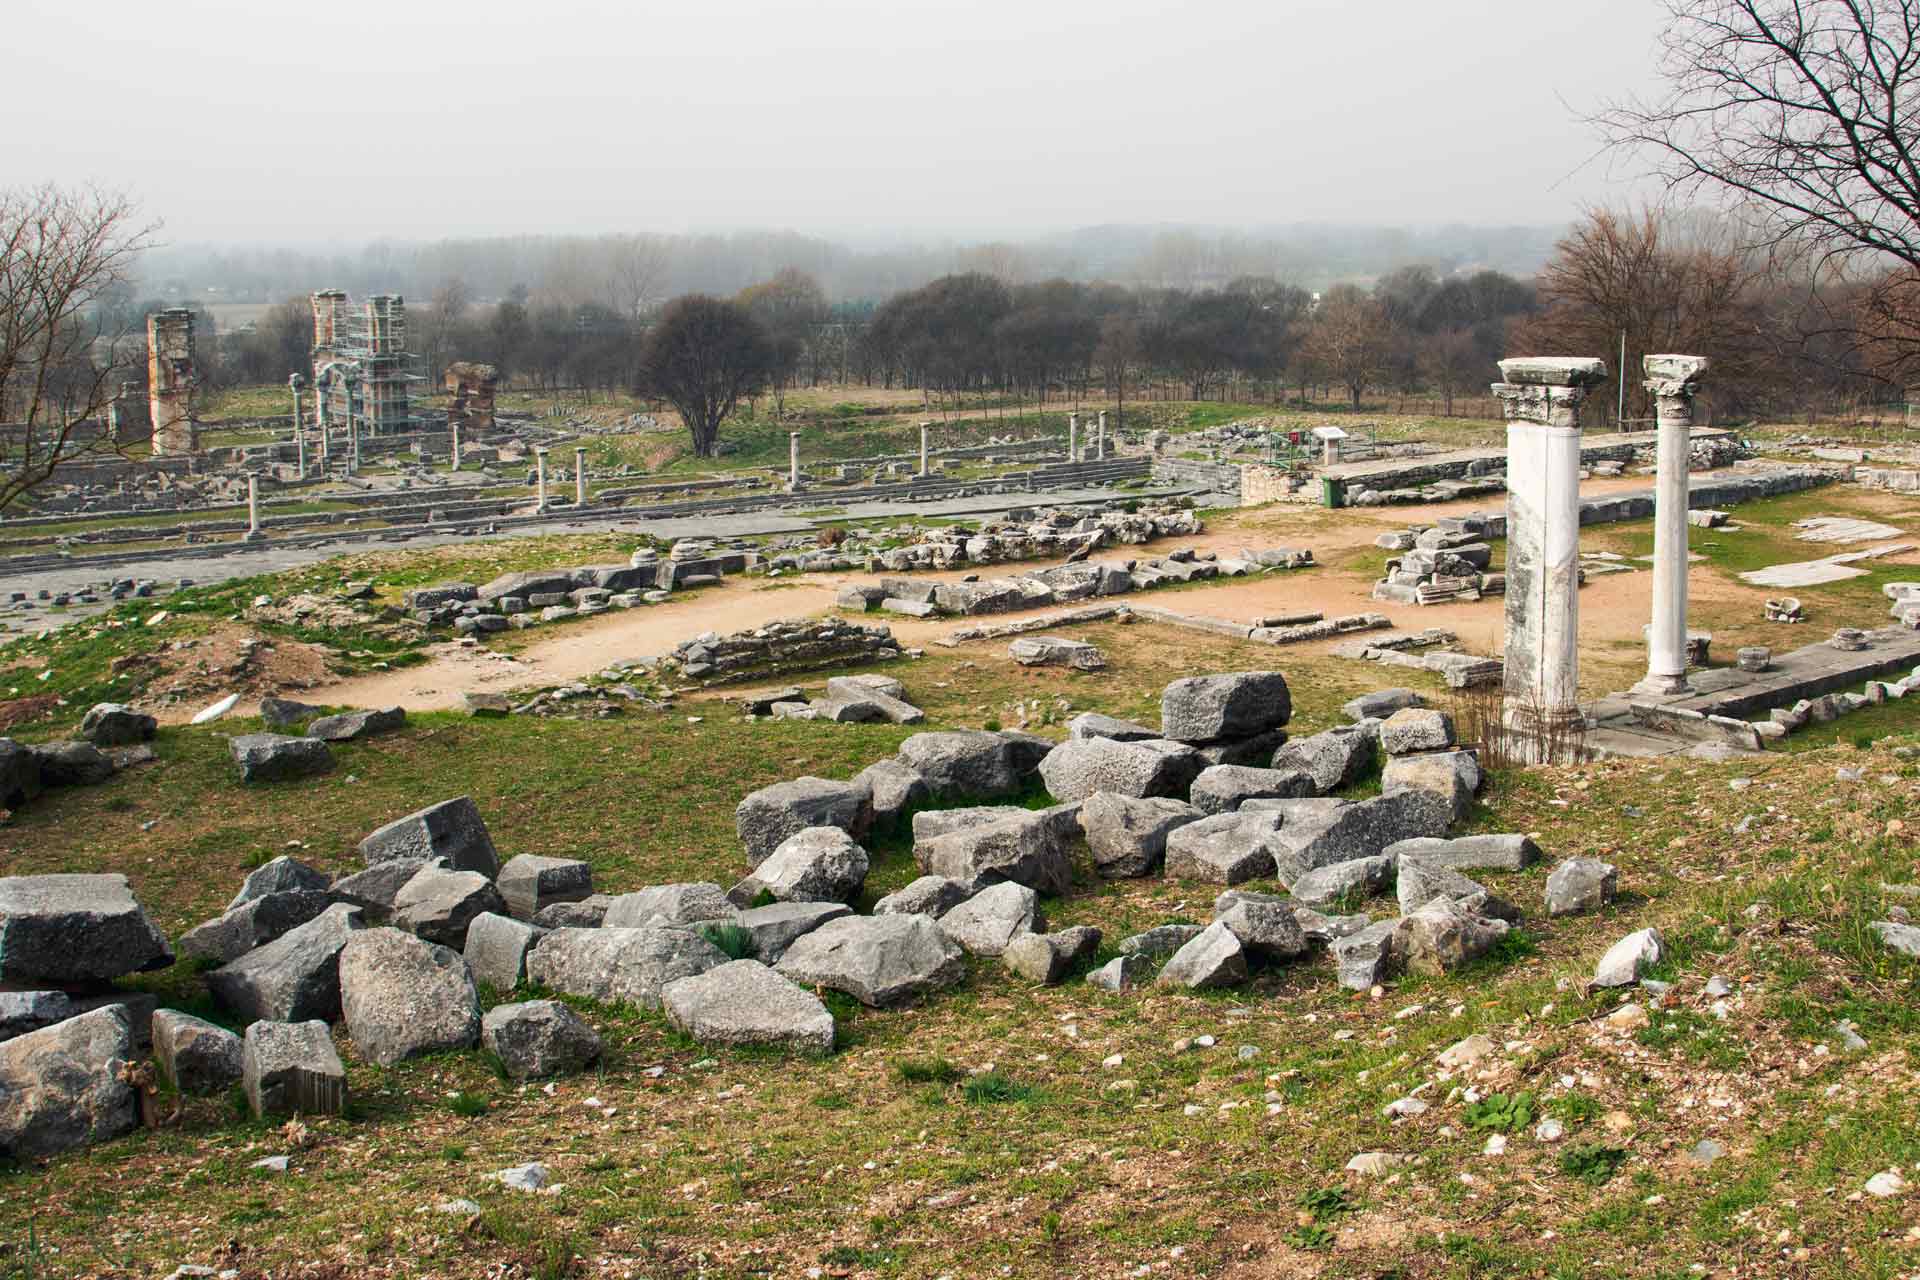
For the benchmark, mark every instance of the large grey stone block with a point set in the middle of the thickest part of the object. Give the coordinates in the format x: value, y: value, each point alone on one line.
x: 61, y: 1086
x: 402, y: 997
x: 452, y: 829
x: 497, y: 947
x: 745, y: 1002
x: 878, y: 960
x: 768, y: 816
x: 539, y: 1038
x: 294, y: 978
x: 1235, y: 705
x: 197, y: 1056
x: 529, y: 882
x: 292, y: 1067
x: 609, y: 964
x: 75, y: 928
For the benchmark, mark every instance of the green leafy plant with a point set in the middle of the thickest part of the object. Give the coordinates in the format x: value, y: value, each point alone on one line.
x: 1573, y: 1108
x: 1592, y: 1163
x: 1312, y: 1236
x: 467, y: 1104
x: 736, y: 943
x: 993, y: 1087
x: 1327, y: 1202
x: 1501, y: 1112
x: 926, y: 1071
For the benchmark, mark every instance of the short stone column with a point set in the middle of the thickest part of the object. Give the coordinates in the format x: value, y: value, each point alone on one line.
x: 253, y: 507
x: 1100, y: 438
x: 923, y: 447
x: 579, y: 477
x: 1673, y: 380
x: 453, y: 463
x: 793, y: 462
x: 1330, y: 452
x: 540, y: 479
x: 1073, y: 437
x: 1542, y: 399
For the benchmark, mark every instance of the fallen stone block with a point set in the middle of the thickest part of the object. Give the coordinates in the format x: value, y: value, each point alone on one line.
x: 438, y: 905
x: 273, y: 757
x: 925, y: 896
x: 497, y: 947
x: 989, y: 920
x: 61, y: 1087
x: 196, y: 1056
x: 743, y: 1002
x: 1214, y: 958
x: 292, y: 1068
x: 75, y: 928
x: 880, y: 961
x: 1077, y: 768
x: 817, y: 864
x: 529, y: 882
x: 611, y: 964
x: 402, y: 997
x: 1128, y: 835
x: 699, y: 902
x: 1236, y: 705
x: 1227, y: 848
x: 351, y: 725
x: 539, y: 1038
x: 1224, y: 787
x: 1505, y: 852
x: 1580, y: 885
x: 294, y: 978
x: 111, y: 724
x: 768, y: 816
x: 452, y: 829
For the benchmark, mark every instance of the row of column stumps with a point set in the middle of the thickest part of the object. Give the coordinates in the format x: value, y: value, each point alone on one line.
x: 1541, y: 398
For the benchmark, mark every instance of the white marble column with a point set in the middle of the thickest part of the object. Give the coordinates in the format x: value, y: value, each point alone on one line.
x: 1673, y: 380
x: 454, y: 456
x: 1073, y: 437
x: 1100, y: 437
x: 1542, y: 402
x: 793, y: 461
x: 540, y: 479
x: 253, y: 507
x: 579, y: 477
x: 923, y: 447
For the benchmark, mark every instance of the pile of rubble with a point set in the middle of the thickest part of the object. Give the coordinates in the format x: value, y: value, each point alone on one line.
x: 867, y: 699
x: 112, y: 737
x: 1445, y: 561
x: 1025, y: 536
x: 1062, y: 583
x: 392, y: 954
x: 531, y: 596
x: 791, y: 644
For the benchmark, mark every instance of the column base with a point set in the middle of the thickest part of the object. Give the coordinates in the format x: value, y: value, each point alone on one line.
x: 1536, y: 736
x: 1662, y: 686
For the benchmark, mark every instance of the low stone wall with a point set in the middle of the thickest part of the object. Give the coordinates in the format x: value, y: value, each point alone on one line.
x: 1896, y: 479
x: 779, y: 648
x: 1221, y: 477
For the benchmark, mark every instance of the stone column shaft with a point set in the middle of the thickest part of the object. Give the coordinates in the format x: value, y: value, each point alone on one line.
x: 253, y: 505
x: 456, y: 447
x: 299, y: 434
x: 923, y: 449
x: 540, y: 478
x: 793, y: 460
x: 1073, y: 437
x: 1673, y: 380
x: 1101, y: 437
x: 579, y: 477
x: 1542, y: 401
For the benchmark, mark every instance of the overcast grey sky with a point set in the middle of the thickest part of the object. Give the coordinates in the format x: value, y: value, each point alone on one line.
x: 266, y: 121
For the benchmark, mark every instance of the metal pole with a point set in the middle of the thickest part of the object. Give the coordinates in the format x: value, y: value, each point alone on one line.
x: 1620, y: 405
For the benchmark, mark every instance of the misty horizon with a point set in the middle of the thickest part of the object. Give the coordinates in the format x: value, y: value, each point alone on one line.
x: 867, y: 124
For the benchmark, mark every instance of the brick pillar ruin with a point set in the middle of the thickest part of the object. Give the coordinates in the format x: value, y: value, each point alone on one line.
x: 579, y: 477
x: 1674, y: 381
x: 1541, y: 397
x: 327, y: 307
x: 170, y: 382
x: 129, y: 419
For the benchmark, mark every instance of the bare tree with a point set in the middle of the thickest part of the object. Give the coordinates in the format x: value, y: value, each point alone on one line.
x: 636, y: 266
x: 1801, y: 113
x: 61, y: 251
x: 1347, y: 339
x: 703, y: 357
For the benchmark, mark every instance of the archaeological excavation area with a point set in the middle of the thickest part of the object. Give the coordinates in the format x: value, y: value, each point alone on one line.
x: 437, y: 844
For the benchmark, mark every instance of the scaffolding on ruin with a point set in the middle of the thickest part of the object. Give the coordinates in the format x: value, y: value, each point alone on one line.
x: 363, y: 374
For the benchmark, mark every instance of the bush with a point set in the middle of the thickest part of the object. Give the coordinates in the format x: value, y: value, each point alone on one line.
x: 735, y: 942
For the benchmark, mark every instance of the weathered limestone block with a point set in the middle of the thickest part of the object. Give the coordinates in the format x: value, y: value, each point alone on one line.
x: 75, y: 928
x: 1128, y: 836
x: 273, y: 757
x: 609, y: 963
x: 112, y: 724
x: 530, y: 882
x: 678, y: 904
x: 981, y: 845
x: 1223, y: 788
x: 292, y: 1067
x: 452, y: 829
x: 295, y: 977
x: 817, y: 864
x: 745, y: 1002
x: 989, y: 920
x: 197, y: 1056
x: 401, y: 997
x: 1214, y: 958
x: 539, y: 1038
x: 438, y: 904
x: 1227, y: 848
x: 497, y: 947
x: 60, y: 1087
x: 1237, y: 705
x: 1077, y: 768
x: 878, y: 960
x: 770, y: 815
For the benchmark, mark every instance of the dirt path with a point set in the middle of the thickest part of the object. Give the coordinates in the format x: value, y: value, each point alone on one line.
x: 581, y: 648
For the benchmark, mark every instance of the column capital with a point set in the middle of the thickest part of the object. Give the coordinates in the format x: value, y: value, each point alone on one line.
x: 1673, y: 376
x: 1546, y: 391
